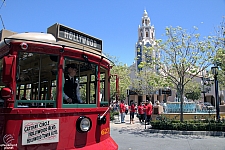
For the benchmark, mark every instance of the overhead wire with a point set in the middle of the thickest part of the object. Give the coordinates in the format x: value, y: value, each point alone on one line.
x: 3, y: 2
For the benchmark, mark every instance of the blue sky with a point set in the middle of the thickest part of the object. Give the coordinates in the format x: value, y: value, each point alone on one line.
x: 114, y: 21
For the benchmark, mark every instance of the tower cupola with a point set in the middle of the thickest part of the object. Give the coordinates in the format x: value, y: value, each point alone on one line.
x: 145, y: 19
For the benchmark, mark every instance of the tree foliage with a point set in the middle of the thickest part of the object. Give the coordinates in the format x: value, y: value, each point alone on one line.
x: 192, y: 90
x: 184, y: 56
x: 220, y: 55
x: 147, y: 82
x: 122, y: 71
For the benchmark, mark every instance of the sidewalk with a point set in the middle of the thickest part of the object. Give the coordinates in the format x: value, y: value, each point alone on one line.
x: 137, y: 124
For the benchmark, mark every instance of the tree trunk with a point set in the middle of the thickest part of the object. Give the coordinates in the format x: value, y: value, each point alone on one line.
x: 181, y: 105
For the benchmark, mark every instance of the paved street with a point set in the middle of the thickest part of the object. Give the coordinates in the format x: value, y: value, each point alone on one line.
x: 134, y: 137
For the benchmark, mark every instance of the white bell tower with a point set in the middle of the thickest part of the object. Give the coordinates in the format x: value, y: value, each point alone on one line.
x: 146, y: 37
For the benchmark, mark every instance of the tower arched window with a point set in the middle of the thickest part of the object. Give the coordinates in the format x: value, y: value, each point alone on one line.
x: 146, y: 34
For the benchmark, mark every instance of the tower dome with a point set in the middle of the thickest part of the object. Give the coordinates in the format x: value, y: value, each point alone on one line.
x: 145, y: 14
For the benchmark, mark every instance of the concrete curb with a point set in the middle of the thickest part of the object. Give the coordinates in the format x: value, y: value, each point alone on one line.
x: 200, y: 133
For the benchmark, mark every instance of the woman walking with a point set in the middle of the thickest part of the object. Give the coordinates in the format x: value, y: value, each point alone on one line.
x: 141, y: 113
x: 132, y: 110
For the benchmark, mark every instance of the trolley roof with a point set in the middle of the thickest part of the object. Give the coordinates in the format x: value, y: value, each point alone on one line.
x: 56, y: 34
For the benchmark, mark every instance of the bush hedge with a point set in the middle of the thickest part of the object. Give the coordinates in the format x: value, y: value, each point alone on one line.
x: 112, y: 114
x: 190, y: 125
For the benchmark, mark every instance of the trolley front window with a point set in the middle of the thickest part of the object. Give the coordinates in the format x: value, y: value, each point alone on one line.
x: 80, y: 84
x: 85, y: 93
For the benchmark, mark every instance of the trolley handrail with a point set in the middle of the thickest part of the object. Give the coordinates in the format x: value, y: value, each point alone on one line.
x: 36, y: 101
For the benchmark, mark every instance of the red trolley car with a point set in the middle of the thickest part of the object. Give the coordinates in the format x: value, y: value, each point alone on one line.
x: 33, y: 115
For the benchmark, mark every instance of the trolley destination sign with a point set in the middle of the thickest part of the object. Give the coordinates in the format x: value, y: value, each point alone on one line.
x: 69, y: 34
x: 40, y: 131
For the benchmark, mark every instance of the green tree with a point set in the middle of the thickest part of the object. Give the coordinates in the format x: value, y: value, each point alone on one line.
x: 147, y: 82
x: 183, y: 57
x: 192, y: 90
x: 220, y: 55
x: 122, y: 71
x: 221, y: 77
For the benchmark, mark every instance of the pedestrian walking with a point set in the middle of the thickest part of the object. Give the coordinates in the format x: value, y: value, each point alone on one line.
x: 132, y: 111
x: 141, y: 113
x: 149, y: 112
x: 122, y: 111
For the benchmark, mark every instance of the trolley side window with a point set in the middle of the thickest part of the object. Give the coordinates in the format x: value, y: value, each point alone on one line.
x: 79, y: 84
x: 36, y: 80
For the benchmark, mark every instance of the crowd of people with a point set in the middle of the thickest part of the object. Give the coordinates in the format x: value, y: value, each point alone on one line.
x: 143, y: 111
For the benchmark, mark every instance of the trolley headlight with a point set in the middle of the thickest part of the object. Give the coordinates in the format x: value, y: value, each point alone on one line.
x: 83, y: 124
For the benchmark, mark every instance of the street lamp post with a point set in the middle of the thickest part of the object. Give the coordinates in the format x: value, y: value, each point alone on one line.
x: 215, y: 73
x: 205, y: 89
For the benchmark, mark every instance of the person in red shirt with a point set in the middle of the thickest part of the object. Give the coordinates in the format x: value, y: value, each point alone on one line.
x: 122, y: 111
x: 132, y: 111
x: 149, y: 112
x: 141, y: 112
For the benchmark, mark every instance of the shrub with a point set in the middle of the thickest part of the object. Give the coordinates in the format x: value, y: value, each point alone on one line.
x: 112, y: 114
x: 191, y: 125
